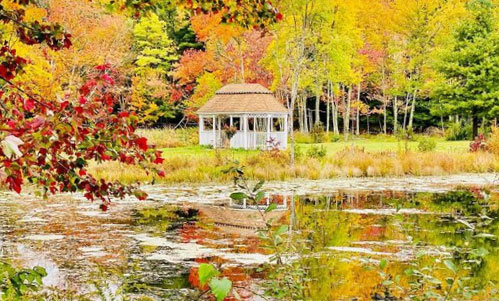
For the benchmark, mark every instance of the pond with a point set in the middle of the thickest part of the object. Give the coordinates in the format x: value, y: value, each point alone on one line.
x: 362, y: 239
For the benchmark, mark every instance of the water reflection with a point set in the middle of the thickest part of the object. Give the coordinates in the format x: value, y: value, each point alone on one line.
x: 152, y: 249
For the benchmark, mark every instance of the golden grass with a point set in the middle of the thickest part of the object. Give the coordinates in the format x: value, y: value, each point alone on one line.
x: 209, y: 166
x: 169, y: 138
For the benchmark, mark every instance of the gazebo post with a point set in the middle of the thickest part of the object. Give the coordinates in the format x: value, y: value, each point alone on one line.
x: 220, y: 128
x: 285, y: 132
x: 245, y: 130
x: 214, y: 132
x: 269, y: 127
x: 201, y: 123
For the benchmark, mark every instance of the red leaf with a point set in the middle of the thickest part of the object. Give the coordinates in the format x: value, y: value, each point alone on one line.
x: 64, y: 104
x: 108, y: 79
x: 142, y: 143
x: 123, y: 114
x: 29, y: 104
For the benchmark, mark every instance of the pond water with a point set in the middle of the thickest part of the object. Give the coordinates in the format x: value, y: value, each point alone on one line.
x: 352, y: 239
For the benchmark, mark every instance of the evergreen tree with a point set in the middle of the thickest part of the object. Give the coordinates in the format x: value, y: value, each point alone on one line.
x: 471, y: 67
x: 155, y: 49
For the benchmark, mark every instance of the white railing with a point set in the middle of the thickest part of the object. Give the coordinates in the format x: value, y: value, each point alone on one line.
x: 206, y: 137
x: 252, y: 140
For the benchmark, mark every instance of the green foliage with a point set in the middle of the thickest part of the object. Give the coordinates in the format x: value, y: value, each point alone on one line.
x: 458, y: 131
x: 427, y: 144
x: 16, y: 283
x: 470, y: 67
x: 220, y: 288
x: 206, y: 273
x: 318, y: 134
x: 155, y: 49
x: 317, y: 152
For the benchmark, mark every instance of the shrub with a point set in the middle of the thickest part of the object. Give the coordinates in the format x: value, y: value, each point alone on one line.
x: 317, y: 152
x: 479, y: 144
x: 458, y: 131
x: 302, y: 138
x: 336, y: 138
x: 317, y: 133
x: 434, y: 132
x: 426, y: 144
x: 493, y: 143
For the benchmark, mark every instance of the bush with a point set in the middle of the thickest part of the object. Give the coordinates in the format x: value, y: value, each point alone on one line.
x: 426, y: 144
x: 493, y: 143
x: 336, y: 138
x: 317, y: 133
x: 479, y: 144
x: 459, y: 131
x: 302, y: 138
x: 317, y: 152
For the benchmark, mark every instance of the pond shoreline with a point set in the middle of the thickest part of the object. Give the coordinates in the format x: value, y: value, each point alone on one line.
x: 211, y: 194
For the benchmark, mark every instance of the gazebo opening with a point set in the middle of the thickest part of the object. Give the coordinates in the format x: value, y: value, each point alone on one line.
x: 243, y: 116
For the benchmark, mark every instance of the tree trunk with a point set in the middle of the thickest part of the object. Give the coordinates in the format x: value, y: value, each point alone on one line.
x: 294, y: 93
x: 357, y: 130
x: 305, y: 114
x: 328, y: 101
x: 346, y: 118
x: 300, y: 118
x: 383, y: 88
x: 310, y: 120
x: 475, y: 126
x: 413, y: 107
x: 368, y: 127
x: 317, y: 107
x: 334, y: 105
x: 395, y: 114
x: 407, y: 100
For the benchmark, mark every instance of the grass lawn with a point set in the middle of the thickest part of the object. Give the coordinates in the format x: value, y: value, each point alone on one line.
x: 370, y: 145
x: 374, y: 145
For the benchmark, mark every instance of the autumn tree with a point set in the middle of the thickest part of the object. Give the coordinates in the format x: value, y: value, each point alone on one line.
x: 155, y: 56
x: 50, y: 141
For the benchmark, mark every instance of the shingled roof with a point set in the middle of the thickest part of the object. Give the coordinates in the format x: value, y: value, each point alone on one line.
x: 242, y: 98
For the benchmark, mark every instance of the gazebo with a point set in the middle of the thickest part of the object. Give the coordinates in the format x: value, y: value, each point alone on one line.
x: 243, y: 116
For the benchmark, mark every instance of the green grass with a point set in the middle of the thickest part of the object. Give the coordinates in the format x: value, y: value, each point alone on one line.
x: 373, y: 145
x: 370, y: 145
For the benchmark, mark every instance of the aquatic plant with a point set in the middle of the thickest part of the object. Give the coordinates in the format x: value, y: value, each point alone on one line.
x: 16, y: 283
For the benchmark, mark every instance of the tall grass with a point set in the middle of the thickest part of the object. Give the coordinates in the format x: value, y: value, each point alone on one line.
x: 208, y: 166
x: 170, y: 138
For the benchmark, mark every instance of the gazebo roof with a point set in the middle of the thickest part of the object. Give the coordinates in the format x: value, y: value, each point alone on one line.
x: 242, y: 98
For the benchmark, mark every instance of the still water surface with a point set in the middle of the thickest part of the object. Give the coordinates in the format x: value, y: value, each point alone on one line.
x: 342, y: 233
